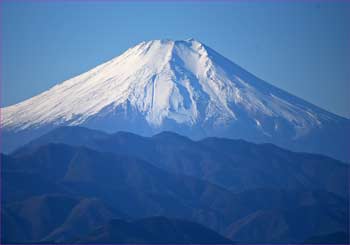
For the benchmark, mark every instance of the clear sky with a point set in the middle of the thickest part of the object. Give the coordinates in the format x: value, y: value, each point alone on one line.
x: 302, y: 47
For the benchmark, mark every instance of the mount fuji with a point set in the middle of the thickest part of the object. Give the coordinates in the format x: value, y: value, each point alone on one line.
x: 181, y: 86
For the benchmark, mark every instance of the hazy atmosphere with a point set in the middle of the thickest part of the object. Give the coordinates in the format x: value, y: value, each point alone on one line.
x: 302, y: 47
x: 189, y: 122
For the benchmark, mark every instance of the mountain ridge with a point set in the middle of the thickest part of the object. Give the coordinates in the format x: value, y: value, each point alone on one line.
x: 239, y: 188
x: 232, y: 164
x: 181, y: 86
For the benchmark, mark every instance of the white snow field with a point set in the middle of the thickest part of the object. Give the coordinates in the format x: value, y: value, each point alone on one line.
x: 182, y: 86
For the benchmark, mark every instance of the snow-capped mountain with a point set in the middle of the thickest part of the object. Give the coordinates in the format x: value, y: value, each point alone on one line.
x: 182, y: 86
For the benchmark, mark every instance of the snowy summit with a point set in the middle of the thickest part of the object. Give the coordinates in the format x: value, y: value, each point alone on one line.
x: 182, y: 86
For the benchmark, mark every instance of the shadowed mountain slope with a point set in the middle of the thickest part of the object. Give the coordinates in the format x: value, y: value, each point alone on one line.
x: 270, y: 189
x: 233, y: 164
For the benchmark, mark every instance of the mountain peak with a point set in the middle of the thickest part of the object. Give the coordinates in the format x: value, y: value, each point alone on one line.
x: 166, y: 85
x: 172, y: 41
x: 162, y: 80
x: 191, y: 39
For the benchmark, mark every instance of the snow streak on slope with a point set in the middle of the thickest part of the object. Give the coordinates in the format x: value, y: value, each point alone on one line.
x: 182, y: 81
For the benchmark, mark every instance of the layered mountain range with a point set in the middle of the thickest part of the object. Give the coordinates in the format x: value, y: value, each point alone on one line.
x: 77, y: 185
x: 172, y: 143
x: 180, y: 86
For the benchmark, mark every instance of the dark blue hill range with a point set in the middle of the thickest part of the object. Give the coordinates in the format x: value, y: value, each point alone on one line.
x: 77, y: 185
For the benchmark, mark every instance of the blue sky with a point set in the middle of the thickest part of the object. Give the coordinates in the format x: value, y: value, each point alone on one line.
x: 302, y: 47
